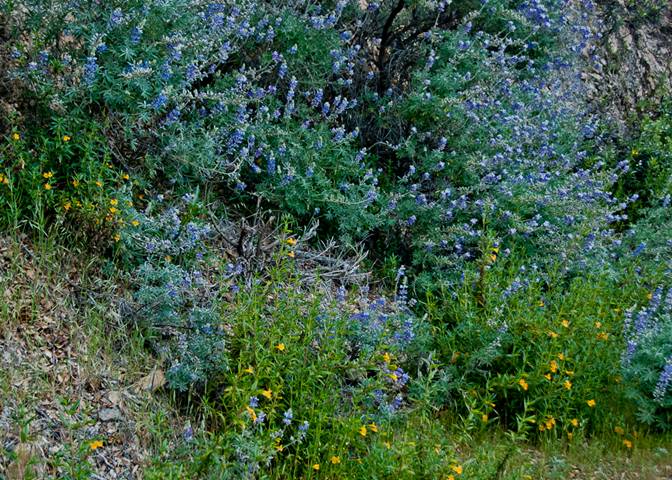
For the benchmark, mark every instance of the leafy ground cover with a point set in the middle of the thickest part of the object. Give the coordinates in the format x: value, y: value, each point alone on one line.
x: 81, y: 399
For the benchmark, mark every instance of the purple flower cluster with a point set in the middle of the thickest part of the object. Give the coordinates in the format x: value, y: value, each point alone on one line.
x: 381, y: 324
x: 648, y: 339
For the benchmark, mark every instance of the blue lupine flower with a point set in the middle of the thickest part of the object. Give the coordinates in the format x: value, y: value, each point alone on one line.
x: 160, y: 101
x: 664, y: 382
x: 90, y: 70
x: 340, y: 294
x: 136, y: 35
x: 287, y: 417
x: 117, y: 17
x: 261, y: 418
x: 173, y: 116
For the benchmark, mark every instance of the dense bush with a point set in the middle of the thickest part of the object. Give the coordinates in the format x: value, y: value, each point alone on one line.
x: 471, y: 135
x: 175, y: 297
x: 540, y: 357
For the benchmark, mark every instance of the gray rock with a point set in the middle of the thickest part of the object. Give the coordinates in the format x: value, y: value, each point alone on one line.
x: 109, y: 414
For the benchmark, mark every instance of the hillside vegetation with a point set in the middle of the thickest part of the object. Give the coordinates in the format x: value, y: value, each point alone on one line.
x: 409, y: 239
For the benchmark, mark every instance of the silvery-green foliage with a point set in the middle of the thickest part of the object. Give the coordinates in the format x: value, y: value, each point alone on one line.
x: 175, y: 300
x: 647, y: 360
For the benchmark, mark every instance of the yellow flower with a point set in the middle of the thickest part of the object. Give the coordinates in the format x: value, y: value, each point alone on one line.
x: 550, y: 423
x: 291, y: 241
x: 598, y: 324
x: 48, y: 174
x: 450, y: 477
x: 95, y: 444
x: 552, y: 334
x: 457, y: 469
x: 553, y: 366
x: 267, y: 393
x: 291, y: 254
x: 484, y: 418
x: 570, y: 435
x: 619, y: 430
x: 603, y: 336
x: 279, y: 448
x: 4, y: 179
x: 541, y: 303
x: 99, y: 183
x: 67, y: 206
x: 373, y: 427
x: 568, y: 384
x: 125, y: 176
x: 117, y: 237
x: 316, y: 466
x: 362, y: 431
x: 591, y: 403
x: 388, y: 445
x: 635, y: 152
x: 548, y: 376
x: 387, y: 358
x: 114, y: 202
x: 75, y: 183
x: 47, y: 186
x: 569, y: 372
x: 280, y: 347
x: 565, y: 323
x: 561, y: 356
x: 523, y: 384
x: 649, y: 296
x: 393, y: 376
x: 251, y: 413
x: 574, y: 422
x: 249, y: 369
x: 627, y: 443
x: 113, y: 210
x: 135, y: 223
x: 66, y: 138
x: 16, y: 137
x: 335, y: 460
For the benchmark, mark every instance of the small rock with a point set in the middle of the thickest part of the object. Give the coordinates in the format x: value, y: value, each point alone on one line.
x: 114, y: 397
x: 155, y: 380
x: 109, y: 414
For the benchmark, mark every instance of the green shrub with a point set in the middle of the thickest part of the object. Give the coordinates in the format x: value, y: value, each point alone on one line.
x: 534, y: 354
